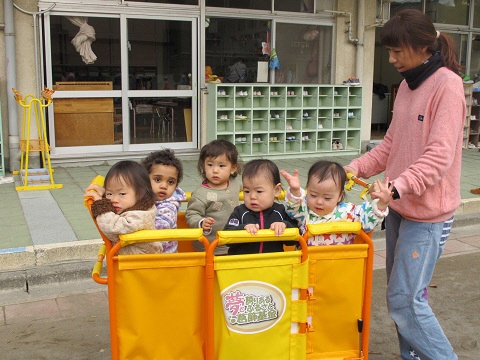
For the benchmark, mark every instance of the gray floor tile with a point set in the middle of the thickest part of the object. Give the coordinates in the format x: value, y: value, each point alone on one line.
x: 46, y: 227
x: 15, y: 236
x: 58, y: 215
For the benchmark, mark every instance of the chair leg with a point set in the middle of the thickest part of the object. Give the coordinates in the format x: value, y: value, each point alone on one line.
x: 172, y: 119
x: 152, y: 125
x: 134, y: 124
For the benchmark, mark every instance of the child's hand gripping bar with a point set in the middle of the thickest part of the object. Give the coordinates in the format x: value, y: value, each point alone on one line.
x: 225, y: 237
x: 98, y: 180
x: 242, y: 236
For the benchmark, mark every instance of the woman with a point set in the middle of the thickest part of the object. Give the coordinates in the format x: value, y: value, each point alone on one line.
x: 422, y: 153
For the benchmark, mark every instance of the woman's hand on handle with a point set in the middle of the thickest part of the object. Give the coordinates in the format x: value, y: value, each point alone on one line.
x: 349, y: 169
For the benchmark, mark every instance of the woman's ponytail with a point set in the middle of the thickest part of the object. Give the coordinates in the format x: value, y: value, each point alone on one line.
x: 448, y: 52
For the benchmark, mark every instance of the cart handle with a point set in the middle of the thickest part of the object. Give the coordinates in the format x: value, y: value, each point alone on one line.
x: 164, y: 235
x: 345, y: 227
x: 243, y: 236
x: 352, y: 180
x: 98, y: 266
x: 281, y: 196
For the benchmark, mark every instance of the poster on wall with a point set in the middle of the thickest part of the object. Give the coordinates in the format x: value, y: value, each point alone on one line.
x: 262, y: 71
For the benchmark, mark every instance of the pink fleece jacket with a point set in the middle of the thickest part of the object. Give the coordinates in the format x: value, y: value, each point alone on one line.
x: 422, y: 150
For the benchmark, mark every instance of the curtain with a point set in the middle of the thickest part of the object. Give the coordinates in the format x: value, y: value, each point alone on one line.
x: 84, y: 38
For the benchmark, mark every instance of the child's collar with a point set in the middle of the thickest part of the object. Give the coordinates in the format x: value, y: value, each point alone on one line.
x: 205, y: 184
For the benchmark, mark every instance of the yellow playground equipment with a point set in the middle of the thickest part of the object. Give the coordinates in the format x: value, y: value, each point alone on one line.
x: 310, y: 303
x: 41, y: 178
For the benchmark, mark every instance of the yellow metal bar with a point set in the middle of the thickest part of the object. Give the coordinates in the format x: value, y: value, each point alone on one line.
x: 97, y: 268
x: 38, y: 187
x: 36, y: 105
x: 243, y: 236
x: 333, y: 228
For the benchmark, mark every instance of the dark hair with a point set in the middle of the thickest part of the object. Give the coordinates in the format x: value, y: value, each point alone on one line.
x: 412, y: 28
x: 262, y: 167
x: 164, y: 157
x: 323, y: 170
x: 216, y: 148
x: 135, y: 175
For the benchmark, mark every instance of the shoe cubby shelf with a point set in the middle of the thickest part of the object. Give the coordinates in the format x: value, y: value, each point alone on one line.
x: 286, y: 119
x: 472, y: 128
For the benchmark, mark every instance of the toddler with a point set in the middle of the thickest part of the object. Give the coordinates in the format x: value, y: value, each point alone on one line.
x: 261, y: 185
x: 166, y: 172
x: 324, y: 202
x: 214, y: 200
x: 126, y: 206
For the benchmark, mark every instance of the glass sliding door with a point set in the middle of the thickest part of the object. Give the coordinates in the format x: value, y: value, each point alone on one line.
x: 131, y: 87
x: 233, y: 48
x: 85, y: 72
x: 160, y: 71
x: 306, y: 53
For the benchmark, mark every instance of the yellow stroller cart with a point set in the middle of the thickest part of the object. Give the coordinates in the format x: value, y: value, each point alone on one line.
x: 312, y: 303
x: 156, y: 301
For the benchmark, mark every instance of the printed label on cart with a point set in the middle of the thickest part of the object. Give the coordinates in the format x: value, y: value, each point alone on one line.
x: 252, y: 306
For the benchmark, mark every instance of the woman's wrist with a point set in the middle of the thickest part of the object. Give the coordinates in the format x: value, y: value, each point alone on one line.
x: 395, y: 194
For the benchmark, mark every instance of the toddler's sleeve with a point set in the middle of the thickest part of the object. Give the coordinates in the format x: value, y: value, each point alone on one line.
x: 368, y: 214
x: 102, y: 206
x: 127, y: 222
x: 296, y: 206
x: 196, y: 210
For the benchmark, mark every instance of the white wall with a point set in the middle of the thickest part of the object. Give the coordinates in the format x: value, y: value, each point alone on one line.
x: 25, y: 66
x: 347, y: 55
